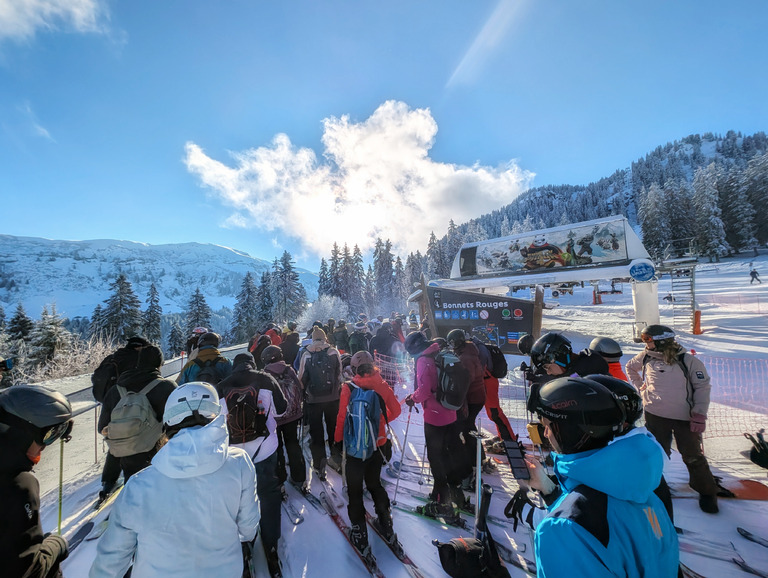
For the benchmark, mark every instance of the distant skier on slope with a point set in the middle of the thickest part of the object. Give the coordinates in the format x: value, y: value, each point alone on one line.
x: 185, y: 514
x: 754, y: 276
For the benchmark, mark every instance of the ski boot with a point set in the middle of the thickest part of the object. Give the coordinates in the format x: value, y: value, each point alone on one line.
x: 283, y: 493
x: 358, y: 536
x: 273, y: 562
x: 383, y: 526
x: 437, y: 510
x: 106, y: 490
x: 460, y: 501
x: 334, y: 462
x: 489, y: 466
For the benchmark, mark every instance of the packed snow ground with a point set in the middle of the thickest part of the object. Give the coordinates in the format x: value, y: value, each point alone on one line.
x: 734, y: 327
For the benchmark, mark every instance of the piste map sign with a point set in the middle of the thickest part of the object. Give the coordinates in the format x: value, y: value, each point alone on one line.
x: 494, y: 319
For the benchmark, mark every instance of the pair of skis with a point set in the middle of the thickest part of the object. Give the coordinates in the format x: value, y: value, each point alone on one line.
x: 694, y: 543
x: 90, y: 529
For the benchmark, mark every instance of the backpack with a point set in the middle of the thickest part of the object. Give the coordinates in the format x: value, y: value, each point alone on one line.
x: 321, y: 373
x: 452, y: 380
x: 133, y: 426
x: 208, y: 371
x: 361, y: 425
x: 357, y: 342
x: 293, y: 396
x: 246, y: 418
x: 498, y: 367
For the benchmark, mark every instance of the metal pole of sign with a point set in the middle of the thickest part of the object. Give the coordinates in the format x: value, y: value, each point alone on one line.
x: 95, y: 433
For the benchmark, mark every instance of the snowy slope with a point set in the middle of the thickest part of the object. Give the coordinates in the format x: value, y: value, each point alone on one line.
x: 76, y: 274
x: 316, y: 548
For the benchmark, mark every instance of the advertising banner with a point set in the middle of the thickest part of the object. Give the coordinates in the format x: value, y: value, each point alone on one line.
x: 591, y: 244
x: 492, y: 318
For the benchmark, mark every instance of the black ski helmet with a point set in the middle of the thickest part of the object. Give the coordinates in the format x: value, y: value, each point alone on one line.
x: 271, y: 354
x: 626, y: 394
x: 415, y: 343
x: 525, y: 343
x: 209, y: 338
x: 661, y: 335
x: 551, y: 348
x: 606, y: 347
x: 43, y: 412
x: 583, y: 414
x: 456, y: 338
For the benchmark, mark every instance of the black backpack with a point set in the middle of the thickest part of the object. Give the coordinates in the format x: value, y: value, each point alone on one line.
x: 498, y: 367
x: 321, y: 373
x: 246, y: 418
x: 293, y: 395
x: 452, y: 380
x: 208, y: 371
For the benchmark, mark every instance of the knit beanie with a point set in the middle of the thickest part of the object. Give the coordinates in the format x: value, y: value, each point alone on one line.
x: 318, y: 334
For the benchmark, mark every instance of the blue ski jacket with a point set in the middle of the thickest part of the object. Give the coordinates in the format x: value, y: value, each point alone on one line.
x: 608, y: 522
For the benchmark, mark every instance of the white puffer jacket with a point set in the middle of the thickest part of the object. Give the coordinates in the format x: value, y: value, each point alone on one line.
x: 186, y: 514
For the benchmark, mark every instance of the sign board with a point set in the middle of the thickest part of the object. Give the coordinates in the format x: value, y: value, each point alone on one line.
x: 492, y: 318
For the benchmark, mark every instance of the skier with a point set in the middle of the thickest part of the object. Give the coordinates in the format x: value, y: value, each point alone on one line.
x: 611, y: 351
x: 607, y: 521
x: 754, y: 276
x: 469, y: 355
x: 261, y: 445
x: 675, y: 388
x: 207, y: 353
x: 441, y: 433
x: 185, y: 514
x: 320, y: 372
x: 288, y: 423
x: 31, y: 419
x: 357, y: 470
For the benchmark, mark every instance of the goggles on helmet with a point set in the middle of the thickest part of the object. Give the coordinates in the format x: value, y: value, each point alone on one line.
x: 53, y: 433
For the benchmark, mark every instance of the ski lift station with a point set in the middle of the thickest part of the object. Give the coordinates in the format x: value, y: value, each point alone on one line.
x: 589, y: 251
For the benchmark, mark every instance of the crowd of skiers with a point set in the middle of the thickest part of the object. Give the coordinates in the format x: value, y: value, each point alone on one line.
x: 216, y: 448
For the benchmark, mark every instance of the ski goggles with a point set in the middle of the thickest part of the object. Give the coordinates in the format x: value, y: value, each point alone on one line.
x: 53, y: 433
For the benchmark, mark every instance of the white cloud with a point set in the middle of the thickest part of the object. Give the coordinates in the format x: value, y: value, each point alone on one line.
x: 375, y: 180
x: 496, y: 28
x: 21, y: 19
x: 31, y: 118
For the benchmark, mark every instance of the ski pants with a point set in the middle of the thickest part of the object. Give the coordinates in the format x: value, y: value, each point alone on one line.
x: 358, y: 471
x: 494, y: 411
x: 690, y: 446
x: 288, y: 438
x: 315, y: 413
x: 443, y: 447
x: 135, y: 463
x: 467, y: 425
x: 270, y: 498
x: 111, y: 471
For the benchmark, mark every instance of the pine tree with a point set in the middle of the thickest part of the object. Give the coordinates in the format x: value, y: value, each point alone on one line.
x: 382, y: 267
x: 323, y: 280
x: 264, y: 300
x: 400, y: 286
x: 756, y: 183
x: 288, y: 295
x: 176, y: 341
x: 370, y: 298
x: 679, y: 218
x: 96, y: 327
x: 435, y: 258
x: 356, y: 287
x: 2, y: 318
x: 653, y: 221
x: 454, y: 240
x: 20, y: 326
x: 244, y: 318
x: 48, y: 338
x: 198, y: 313
x: 738, y: 212
x: 334, y: 267
x: 122, y: 313
x: 153, y: 316
x: 710, y: 230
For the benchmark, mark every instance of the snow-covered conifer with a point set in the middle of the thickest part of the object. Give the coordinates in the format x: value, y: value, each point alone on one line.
x: 198, y: 313
x: 153, y: 316
x: 121, y: 317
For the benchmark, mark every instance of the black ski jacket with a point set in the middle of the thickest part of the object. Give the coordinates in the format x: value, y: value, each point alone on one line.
x: 24, y: 550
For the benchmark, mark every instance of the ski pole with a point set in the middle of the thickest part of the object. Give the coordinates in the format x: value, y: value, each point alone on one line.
x: 405, y: 445
x: 423, y: 457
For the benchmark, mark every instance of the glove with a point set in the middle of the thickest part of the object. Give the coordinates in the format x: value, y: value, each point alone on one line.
x: 520, y: 509
x: 409, y: 401
x: 58, y: 543
x: 698, y: 423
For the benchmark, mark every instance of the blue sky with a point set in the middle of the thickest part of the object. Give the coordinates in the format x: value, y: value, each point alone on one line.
x: 266, y: 126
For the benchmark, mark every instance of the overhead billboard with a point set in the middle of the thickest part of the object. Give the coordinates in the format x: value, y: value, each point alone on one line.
x: 492, y: 318
x: 600, y: 243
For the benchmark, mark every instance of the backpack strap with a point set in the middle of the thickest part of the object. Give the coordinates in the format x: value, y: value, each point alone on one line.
x: 122, y: 391
x: 150, y: 386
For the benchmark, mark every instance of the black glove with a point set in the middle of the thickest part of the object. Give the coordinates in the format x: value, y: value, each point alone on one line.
x: 409, y: 401
x: 520, y: 509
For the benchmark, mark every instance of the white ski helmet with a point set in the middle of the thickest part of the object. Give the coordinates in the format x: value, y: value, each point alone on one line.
x: 195, y: 397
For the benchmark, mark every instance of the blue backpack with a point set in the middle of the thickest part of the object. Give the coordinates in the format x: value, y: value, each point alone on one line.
x: 361, y: 426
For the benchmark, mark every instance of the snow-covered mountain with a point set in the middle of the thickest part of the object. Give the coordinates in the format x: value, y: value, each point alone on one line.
x: 75, y: 275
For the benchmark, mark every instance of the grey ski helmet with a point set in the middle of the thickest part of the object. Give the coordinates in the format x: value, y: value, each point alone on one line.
x: 606, y: 347
x: 360, y: 358
x: 583, y: 413
x: 43, y: 412
x: 271, y: 354
x: 625, y: 393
